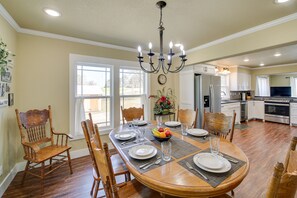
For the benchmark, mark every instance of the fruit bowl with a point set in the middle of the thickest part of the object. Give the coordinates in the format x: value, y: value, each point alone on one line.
x: 161, y: 134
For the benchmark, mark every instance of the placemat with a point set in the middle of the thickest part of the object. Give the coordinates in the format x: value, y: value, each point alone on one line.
x: 199, y: 139
x: 214, y: 179
x: 179, y: 147
x: 136, y: 163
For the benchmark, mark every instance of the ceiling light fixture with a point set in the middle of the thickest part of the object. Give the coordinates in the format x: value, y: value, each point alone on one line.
x: 246, y: 60
x: 277, y: 54
x: 225, y: 71
x: 51, y: 12
x: 161, y: 63
x: 281, y: 1
x: 262, y: 64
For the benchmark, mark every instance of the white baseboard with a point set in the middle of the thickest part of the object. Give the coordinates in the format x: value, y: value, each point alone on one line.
x: 7, y: 180
x: 20, y: 166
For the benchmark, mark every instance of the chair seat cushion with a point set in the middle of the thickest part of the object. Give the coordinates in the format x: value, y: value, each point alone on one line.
x: 49, y: 152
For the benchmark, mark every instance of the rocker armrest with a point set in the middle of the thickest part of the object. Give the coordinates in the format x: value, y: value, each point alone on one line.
x: 30, y: 150
x: 61, y: 142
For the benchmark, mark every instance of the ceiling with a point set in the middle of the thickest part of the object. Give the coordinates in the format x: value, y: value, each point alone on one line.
x: 130, y: 23
x: 288, y: 56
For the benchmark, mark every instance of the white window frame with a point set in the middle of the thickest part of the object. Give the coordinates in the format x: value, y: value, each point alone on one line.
x: 226, y: 86
x: 145, y: 94
x: 115, y: 64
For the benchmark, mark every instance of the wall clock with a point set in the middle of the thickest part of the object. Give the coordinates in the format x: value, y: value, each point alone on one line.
x: 162, y: 79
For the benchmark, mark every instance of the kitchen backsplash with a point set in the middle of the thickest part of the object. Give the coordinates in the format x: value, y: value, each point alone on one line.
x: 237, y: 95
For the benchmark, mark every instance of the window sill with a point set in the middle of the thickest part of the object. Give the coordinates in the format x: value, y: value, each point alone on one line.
x: 101, y: 132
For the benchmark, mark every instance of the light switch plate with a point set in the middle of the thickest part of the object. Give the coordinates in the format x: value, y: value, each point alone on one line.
x: 1, y: 170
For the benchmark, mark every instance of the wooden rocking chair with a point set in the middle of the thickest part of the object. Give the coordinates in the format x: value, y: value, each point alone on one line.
x: 39, y: 147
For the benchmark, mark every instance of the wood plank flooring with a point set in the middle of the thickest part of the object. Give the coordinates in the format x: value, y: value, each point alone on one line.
x: 264, y: 144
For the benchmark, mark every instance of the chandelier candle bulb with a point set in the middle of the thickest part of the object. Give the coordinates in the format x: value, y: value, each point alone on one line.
x: 150, y: 45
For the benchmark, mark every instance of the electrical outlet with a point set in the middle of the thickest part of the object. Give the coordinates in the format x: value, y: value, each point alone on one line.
x: 1, y: 170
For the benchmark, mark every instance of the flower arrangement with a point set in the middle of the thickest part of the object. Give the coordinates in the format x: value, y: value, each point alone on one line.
x: 4, y: 56
x: 164, y: 101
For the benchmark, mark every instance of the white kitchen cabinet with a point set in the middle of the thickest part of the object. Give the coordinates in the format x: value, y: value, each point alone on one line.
x: 229, y: 108
x: 186, y: 87
x: 256, y: 110
x: 240, y: 81
x: 293, y: 113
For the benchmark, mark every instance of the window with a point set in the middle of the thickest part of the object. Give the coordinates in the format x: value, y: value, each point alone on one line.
x: 225, y: 93
x: 293, y: 84
x: 262, y: 86
x: 132, y: 87
x: 100, y: 86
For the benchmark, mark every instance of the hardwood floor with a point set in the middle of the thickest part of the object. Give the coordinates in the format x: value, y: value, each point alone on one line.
x: 264, y: 144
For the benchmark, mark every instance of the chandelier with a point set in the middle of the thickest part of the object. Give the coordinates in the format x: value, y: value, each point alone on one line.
x: 161, y: 60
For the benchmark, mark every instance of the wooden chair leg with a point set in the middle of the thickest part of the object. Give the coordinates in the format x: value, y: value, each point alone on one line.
x: 69, y: 162
x: 42, y: 177
x: 232, y: 193
x: 92, y: 190
x: 51, y: 160
x: 96, y: 188
x: 25, y: 172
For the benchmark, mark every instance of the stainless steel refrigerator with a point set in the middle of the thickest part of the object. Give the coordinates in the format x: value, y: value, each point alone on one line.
x: 207, y: 91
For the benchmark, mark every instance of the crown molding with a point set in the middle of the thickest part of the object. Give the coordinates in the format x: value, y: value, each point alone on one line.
x: 19, y: 29
x: 246, y: 32
x: 73, y: 39
x: 267, y: 67
x: 8, y: 18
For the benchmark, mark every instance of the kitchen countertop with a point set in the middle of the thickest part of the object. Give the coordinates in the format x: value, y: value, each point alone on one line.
x: 229, y: 101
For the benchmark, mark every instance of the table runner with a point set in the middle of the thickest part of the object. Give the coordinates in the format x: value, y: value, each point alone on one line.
x: 179, y: 147
x: 214, y: 179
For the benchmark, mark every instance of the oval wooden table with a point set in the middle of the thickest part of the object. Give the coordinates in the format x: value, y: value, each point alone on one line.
x: 173, y: 179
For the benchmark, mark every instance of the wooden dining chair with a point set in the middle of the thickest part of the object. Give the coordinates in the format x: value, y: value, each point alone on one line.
x: 219, y: 123
x: 291, y: 157
x: 91, y: 133
x: 187, y: 116
x: 282, y: 184
x: 132, y: 113
x: 41, y: 145
x: 130, y: 189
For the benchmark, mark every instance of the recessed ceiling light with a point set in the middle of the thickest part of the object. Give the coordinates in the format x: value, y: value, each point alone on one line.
x: 51, y: 12
x: 246, y: 60
x: 281, y: 1
x: 262, y: 64
x: 277, y: 54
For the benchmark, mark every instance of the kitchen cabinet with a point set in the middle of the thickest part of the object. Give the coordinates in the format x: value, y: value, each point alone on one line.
x: 255, y: 110
x: 229, y: 108
x: 186, y: 90
x: 240, y: 81
x: 293, y: 113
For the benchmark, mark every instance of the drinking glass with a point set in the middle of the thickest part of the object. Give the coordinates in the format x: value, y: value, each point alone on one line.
x: 159, y: 121
x: 214, y: 141
x: 166, y: 150
x: 184, y: 129
x: 141, y: 134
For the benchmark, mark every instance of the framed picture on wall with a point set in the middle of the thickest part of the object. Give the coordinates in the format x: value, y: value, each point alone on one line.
x: 10, y: 99
x: 6, y: 76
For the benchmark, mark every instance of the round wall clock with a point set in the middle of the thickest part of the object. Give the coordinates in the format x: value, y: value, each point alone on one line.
x: 162, y: 79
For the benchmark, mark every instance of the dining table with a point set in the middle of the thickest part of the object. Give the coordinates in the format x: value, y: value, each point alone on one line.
x: 174, y: 177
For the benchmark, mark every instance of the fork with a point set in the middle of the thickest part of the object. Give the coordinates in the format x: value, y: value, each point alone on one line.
x: 192, y: 168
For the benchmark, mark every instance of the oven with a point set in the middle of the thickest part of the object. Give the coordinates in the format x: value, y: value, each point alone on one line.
x: 277, y: 111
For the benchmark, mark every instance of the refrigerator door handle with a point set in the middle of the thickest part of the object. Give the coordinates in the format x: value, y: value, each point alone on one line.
x: 211, y: 98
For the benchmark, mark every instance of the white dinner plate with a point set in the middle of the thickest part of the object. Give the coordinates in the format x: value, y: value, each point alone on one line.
x: 197, y: 132
x: 210, y: 161
x: 125, y: 135
x: 132, y: 152
x: 139, y: 122
x: 172, y: 123
x: 225, y: 168
x: 144, y: 150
